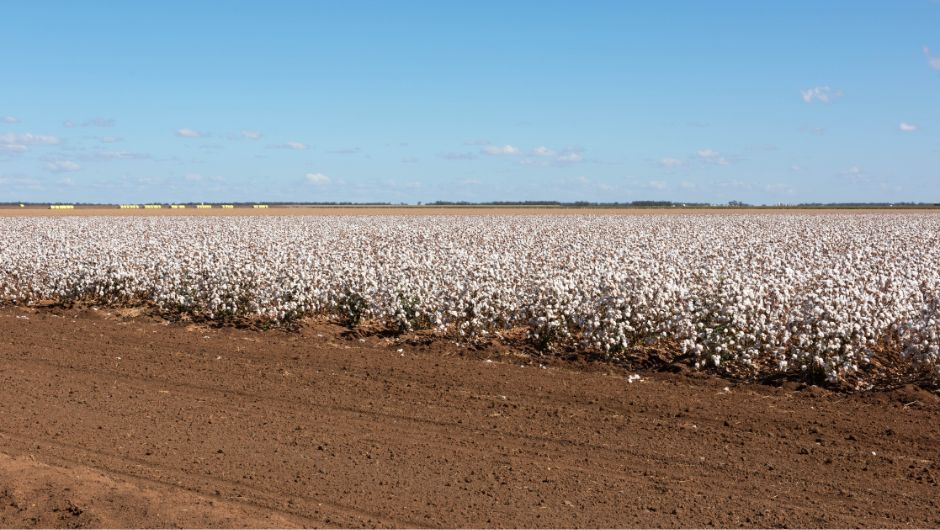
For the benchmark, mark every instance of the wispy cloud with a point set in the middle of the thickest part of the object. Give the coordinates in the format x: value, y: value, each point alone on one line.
x: 10, y: 119
x: 500, y: 150
x: 317, y: 179
x: 700, y: 158
x: 907, y: 127
x: 822, y: 94
x: 409, y: 160
x: 198, y: 177
x: 190, y: 133
x: 344, y: 151
x: 733, y: 184
x: 932, y: 60
x: 108, y: 155
x: 18, y: 143
x: 670, y: 163
x: 543, y: 151
x: 92, y: 122
x: 251, y: 135
x: 296, y: 146
x: 12, y: 148
x: 856, y: 175
x: 569, y: 157
x: 62, y: 166
x: 711, y: 156
x: 109, y: 139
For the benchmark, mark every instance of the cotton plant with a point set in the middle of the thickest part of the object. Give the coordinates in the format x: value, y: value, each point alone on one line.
x: 818, y: 295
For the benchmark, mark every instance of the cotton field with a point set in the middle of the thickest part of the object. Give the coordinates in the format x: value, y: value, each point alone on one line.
x: 752, y: 295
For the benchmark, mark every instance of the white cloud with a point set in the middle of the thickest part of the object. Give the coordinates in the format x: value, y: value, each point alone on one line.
x: 907, y: 127
x: 543, y: 151
x: 796, y: 168
x: 670, y: 163
x: 189, y: 133
x: 344, y: 151
x: 733, y: 184
x: 856, y: 175
x: 712, y: 157
x: 496, y: 150
x: 9, y: 119
x: 18, y: 143
x: 251, y: 135
x: 109, y: 139
x: 62, y: 166
x: 317, y: 179
x: 106, y: 155
x: 93, y: 122
x: 570, y: 158
x: 28, y: 139
x: 707, y: 153
x: 932, y: 60
x: 470, y: 182
x: 822, y: 94
x: 296, y: 146
x: 656, y: 184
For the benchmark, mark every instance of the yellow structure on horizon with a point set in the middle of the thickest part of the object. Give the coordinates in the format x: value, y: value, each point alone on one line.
x: 203, y: 206
x: 259, y: 206
x: 129, y: 206
x: 228, y: 206
x: 177, y: 206
x: 61, y: 206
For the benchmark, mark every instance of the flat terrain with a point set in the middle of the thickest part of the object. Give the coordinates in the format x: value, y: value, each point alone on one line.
x: 441, y: 210
x: 112, y: 419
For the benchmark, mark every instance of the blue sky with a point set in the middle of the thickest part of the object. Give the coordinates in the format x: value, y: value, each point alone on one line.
x: 765, y: 102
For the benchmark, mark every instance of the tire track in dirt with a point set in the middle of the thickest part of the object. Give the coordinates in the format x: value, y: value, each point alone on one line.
x: 368, y: 437
x: 131, y: 468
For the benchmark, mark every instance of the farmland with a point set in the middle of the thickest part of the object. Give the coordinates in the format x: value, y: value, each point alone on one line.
x: 816, y: 297
x: 486, y: 368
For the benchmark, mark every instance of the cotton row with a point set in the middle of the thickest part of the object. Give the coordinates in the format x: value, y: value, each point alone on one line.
x: 756, y: 294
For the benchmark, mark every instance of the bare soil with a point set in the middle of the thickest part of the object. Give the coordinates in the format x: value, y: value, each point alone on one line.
x: 113, y: 419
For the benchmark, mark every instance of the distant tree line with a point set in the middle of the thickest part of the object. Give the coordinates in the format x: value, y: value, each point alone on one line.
x: 560, y: 204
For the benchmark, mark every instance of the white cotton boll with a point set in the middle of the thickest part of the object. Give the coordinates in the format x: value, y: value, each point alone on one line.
x: 744, y: 289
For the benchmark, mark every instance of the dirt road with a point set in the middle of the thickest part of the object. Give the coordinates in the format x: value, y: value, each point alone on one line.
x: 109, y: 420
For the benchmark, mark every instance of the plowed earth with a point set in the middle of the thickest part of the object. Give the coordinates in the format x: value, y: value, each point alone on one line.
x: 109, y: 419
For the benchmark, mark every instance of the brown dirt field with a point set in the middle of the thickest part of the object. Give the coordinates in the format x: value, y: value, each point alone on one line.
x: 110, y: 420
x: 439, y: 210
